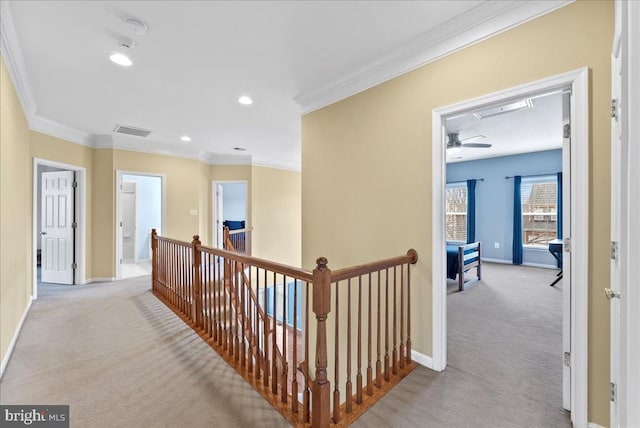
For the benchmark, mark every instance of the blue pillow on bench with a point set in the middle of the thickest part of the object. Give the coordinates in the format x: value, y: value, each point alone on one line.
x: 233, y: 224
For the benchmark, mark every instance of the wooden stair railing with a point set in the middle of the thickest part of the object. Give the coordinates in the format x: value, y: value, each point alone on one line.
x: 251, y: 311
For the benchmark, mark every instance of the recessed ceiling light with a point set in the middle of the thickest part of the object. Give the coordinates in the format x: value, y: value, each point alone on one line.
x: 245, y: 100
x: 240, y: 149
x: 185, y: 138
x: 120, y: 59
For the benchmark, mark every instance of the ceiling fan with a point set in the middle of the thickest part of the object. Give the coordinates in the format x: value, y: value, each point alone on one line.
x: 455, y: 142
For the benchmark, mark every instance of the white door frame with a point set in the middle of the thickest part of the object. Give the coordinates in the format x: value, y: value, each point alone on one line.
x: 625, y: 210
x: 214, y: 201
x: 118, y: 231
x: 578, y: 80
x: 80, y: 214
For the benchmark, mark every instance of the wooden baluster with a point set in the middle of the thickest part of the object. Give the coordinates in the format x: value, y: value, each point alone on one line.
x: 237, y: 309
x: 369, y: 334
x: 258, y: 349
x: 243, y: 314
x: 386, y: 326
x: 379, y: 338
x: 402, y: 317
x: 394, y: 355
x: 414, y: 260
x: 225, y: 319
x: 285, y: 363
x: 359, y: 375
x: 265, y: 331
x: 306, y: 394
x: 274, y: 333
x: 349, y: 387
x: 336, y: 383
x: 250, y: 317
x: 154, y: 260
x: 321, y: 307
x: 195, y: 279
x: 294, y: 321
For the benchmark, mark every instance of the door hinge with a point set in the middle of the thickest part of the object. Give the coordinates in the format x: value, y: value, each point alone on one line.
x: 614, y: 109
x: 74, y: 225
x: 567, y: 245
x: 75, y: 185
x: 614, y: 250
x: 74, y: 265
x: 612, y: 392
x: 567, y: 359
x: 567, y: 131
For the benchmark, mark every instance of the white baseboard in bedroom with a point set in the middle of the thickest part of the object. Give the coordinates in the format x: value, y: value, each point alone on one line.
x: 594, y: 425
x: 422, y: 359
x: 90, y: 280
x: 507, y: 262
x: 504, y: 262
x: 5, y: 360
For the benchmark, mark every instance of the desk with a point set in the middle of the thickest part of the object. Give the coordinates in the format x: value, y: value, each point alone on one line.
x: 555, y: 248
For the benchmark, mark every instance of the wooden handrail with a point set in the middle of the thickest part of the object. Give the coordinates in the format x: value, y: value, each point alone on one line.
x: 363, y: 269
x: 236, y: 231
x: 226, y: 296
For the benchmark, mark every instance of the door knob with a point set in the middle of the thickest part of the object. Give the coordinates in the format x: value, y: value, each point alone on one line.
x: 43, y: 233
x: 610, y: 294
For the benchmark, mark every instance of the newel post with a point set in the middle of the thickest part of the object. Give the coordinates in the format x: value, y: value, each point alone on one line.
x: 154, y: 259
x: 197, y: 289
x: 320, y: 390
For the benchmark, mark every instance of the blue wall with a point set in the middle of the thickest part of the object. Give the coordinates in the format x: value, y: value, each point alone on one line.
x: 494, y: 199
x: 149, y: 210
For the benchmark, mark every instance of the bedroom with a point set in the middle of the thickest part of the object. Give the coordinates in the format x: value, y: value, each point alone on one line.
x: 498, y: 288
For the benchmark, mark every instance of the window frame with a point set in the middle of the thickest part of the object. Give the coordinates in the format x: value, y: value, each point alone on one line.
x: 462, y: 185
x: 543, y: 179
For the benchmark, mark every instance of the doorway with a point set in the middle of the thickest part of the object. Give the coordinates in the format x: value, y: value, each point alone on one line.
x: 229, y: 205
x: 59, y: 225
x: 140, y: 208
x: 576, y: 246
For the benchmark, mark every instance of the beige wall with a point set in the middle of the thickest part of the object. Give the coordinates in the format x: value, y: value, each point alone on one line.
x: 15, y: 212
x: 276, y: 202
x: 366, y: 161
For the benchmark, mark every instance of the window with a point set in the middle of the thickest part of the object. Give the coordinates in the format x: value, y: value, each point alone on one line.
x: 539, y: 219
x: 456, y: 207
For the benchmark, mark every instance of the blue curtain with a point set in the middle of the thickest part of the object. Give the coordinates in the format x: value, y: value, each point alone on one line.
x: 559, y: 211
x: 517, y: 248
x: 471, y: 211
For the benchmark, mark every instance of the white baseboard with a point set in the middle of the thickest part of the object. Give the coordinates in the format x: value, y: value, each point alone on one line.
x: 507, y: 262
x: 422, y: 359
x: 90, y: 280
x: 5, y: 359
x: 504, y: 262
x: 594, y: 425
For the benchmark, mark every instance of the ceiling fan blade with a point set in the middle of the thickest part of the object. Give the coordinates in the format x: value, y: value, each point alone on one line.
x: 477, y: 145
x: 471, y: 138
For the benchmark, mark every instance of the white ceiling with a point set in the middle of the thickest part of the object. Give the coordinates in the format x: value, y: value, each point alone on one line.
x: 197, y: 58
x: 533, y: 129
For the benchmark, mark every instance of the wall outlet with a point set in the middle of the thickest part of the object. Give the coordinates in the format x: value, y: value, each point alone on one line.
x: 496, y: 245
x: 193, y: 212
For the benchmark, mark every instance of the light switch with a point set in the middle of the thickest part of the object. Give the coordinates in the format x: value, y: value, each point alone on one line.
x: 193, y: 212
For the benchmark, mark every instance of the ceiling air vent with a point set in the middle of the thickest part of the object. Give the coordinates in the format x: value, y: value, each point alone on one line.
x: 130, y: 130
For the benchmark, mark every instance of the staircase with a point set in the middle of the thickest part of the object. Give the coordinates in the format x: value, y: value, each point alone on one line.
x: 261, y: 317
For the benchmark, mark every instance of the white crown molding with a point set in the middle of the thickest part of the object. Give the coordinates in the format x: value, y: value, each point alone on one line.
x: 217, y: 159
x: 14, y: 60
x: 267, y: 163
x: 57, y: 129
x: 480, y: 23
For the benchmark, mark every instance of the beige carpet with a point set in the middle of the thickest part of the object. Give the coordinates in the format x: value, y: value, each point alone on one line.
x: 504, y: 359
x: 120, y: 358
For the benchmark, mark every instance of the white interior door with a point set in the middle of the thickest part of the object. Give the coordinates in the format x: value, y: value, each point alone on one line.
x: 128, y: 220
x: 57, y: 227
x: 219, y: 217
x: 566, y: 256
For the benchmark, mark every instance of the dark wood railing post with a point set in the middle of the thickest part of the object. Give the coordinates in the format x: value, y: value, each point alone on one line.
x: 154, y: 259
x: 321, y: 307
x: 197, y: 289
x: 226, y: 238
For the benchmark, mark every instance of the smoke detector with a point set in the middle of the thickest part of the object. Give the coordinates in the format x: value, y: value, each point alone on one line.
x: 138, y: 27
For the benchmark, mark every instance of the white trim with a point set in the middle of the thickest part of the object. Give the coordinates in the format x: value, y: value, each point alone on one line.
x: 14, y: 339
x: 57, y: 129
x: 107, y: 279
x: 81, y: 216
x: 163, y: 215
x: 479, y: 23
x: 594, y: 425
x: 14, y: 60
x: 578, y: 80
x: 214, y: 200
x: 508, y: 262
x: 287, y: 166
x: 504, y: 262
x: 423, y: 360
